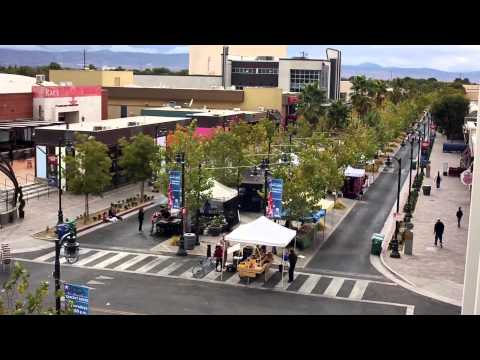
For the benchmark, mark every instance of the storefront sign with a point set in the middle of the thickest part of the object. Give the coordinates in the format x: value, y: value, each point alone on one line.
x: 466, y: 177
x: 275, y: 199
x: 77, y: 294
x: 175, y: 190
x: 65, y: 91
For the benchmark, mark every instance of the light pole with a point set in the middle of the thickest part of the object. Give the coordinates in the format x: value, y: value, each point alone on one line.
x: 180, y: 159
x: 420, y: 141
x: 411, y: 165
x: 264, y: 166
x: 197, y: 227
x: 395, y: 253
x: 60, y: 212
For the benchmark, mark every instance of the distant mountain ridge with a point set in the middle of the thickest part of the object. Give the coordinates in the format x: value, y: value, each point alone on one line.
x: 134, y: 60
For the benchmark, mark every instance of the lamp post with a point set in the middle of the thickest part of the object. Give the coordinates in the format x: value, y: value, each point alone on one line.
x: 264, y: 166
x: 395, y: 253
x: 420, y: 141
x: 411, y: 165
x: 197, y: 227
x: 180, y: 159
x: 60, y: 212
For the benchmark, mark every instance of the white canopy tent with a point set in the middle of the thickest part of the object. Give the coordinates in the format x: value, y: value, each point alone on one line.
x: 221, y: 193
x: 352, y: 172
x: 263, y: 231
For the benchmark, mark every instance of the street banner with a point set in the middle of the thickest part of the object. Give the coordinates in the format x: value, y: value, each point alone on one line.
x: 78, y: 294
x: 466, y: 177
x: 275, y: 199
x: 175, y: 190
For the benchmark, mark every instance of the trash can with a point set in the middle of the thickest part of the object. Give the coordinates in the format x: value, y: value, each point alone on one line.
x: 377, y: 240
x: 189, y: 241
x: 426, y: 190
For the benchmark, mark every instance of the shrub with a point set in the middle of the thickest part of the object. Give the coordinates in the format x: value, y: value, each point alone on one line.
x: 339, y: 205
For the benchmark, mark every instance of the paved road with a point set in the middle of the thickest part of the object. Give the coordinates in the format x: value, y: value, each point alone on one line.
x: 348, y: 248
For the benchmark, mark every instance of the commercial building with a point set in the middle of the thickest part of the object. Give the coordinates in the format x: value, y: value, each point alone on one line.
x: 346, y: 90
x: 82, y: 77
x: 50, y: 140
x: 208, y: 60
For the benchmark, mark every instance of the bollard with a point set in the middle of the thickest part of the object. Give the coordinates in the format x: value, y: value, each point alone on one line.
x: 408, y: 243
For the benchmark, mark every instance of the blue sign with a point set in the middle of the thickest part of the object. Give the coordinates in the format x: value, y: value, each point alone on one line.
x: 275, y: 198
x: 77, y: 294
x: 175, y: 190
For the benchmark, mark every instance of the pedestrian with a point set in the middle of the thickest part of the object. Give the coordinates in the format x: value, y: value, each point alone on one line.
x: 154, y: 218
x: 218, y: 255
x: 438, y: 231
x: 459, y: 215
x: 141, y: 215
x: 292, y: 260
x: 438, y: 179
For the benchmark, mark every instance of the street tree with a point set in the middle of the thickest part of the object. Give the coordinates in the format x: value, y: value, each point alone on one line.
x: 361, y: 91
x: 312, y: 103
x: 449, y: 113
x: 338, y: 114
x: 88, y: 171
x: 137, y: 157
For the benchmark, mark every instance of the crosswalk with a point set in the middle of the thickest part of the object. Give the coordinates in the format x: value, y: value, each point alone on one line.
x: 174, y: 267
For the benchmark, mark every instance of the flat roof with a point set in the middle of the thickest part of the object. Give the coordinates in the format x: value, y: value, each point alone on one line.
x: 18, y: 84
x: 205, y: 112
x: 111, y: 124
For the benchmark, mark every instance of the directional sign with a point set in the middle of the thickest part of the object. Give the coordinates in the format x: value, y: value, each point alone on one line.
x: 78, y: 294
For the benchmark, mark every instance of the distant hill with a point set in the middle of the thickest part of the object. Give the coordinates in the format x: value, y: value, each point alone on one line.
x: 74, y: 59
x: 130, y: 60
x: 385, y: 73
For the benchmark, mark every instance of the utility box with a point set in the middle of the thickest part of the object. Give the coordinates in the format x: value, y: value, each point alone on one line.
x: 408, y: 242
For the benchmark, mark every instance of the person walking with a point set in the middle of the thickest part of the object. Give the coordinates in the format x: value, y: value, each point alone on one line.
x: 459, y: 215
x: 438, y: 231
x: 154, y: 218
x: 292, y: 260
x: 141, y: 216
x: 438, y: 180
x: 218, y: 255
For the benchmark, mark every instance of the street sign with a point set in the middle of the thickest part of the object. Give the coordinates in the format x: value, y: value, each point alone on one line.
x: 78, y: 294
x: 466, y: 177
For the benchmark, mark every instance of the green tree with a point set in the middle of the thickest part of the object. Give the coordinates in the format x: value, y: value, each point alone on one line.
x: 312, y: 103
x: 361, y: 101
x: 137, y: 158
x: 449, y: 113
x: 92, y: 67
x: 15, y: 299
x: 88, y: 171
x: 338, y: 114
x: 54, y: 66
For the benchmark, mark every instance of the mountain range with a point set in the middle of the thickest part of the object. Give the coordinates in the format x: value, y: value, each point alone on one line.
x: 134, y: 60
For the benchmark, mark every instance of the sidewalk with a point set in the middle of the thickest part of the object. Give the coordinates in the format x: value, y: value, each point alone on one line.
x: 43, y: 212
x: 433, y: 269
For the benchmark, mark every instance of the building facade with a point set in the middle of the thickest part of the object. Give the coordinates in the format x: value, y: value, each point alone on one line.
x: 91, y: 77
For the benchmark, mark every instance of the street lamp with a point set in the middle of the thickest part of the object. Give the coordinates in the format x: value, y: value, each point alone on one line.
x: 71, y: 253
x: 60, y: 212
x: 180, y: 159
x: 395, y: 253
x: 411, y: 165
x: 265, y: 167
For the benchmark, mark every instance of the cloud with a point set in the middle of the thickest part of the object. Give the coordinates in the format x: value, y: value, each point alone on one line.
x: 178, y: 50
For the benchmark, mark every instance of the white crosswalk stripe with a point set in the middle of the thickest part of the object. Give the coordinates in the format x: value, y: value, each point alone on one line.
x: 45, y: 257
x: 131, y: 262
x: 309, y: 284
x: 150, y: 265
x: 103, y: 264
x: 91, y: 258
x: 359, y: 289
x: 334, y: 287
x: 169, y: 269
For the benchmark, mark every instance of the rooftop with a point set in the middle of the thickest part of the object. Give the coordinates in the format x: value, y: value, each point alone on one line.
x: 111, y: 124
x: 203, y: 111
x: 18, y: 84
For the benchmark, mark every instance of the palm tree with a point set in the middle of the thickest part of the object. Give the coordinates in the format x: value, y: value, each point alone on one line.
x: 338, y: 114
x: 361, y: 101
x: 312, y: 101
x: 381, y: 93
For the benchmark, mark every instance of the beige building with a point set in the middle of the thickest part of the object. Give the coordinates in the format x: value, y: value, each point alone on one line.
x: 92, y: 77
x: 345, y: 90
x: 207, y: 59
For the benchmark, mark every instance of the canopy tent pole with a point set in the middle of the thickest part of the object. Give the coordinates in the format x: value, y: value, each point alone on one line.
x: 283, y: 267
x: 324, y: 224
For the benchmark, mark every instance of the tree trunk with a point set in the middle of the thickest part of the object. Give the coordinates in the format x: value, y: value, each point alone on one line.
x: 87, y: 215
x: 142, y: 190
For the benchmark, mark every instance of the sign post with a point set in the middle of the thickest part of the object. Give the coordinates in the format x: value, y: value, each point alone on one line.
x: 78, y: 294
x: 175, y: 190
x: 275, y: 199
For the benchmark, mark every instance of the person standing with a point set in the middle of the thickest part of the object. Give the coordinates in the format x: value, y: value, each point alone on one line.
x: 154, y: 218
x: 459, y: 215
x: 438, y: 231
x: 292, y: 260
x: 141, y: 216
x: 218, y: 254
x: 438, y: 179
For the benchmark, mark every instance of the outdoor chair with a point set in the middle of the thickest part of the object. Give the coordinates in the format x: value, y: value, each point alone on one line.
x: 6, y: 257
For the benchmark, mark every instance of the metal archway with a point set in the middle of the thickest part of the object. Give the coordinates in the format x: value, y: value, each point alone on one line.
x: 7, y: 169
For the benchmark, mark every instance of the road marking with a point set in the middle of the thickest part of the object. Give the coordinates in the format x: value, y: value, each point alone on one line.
x: 91, y: 258
x: 359, y: 289
x: 114, y: 312
x: 170, y: 268
x: 131, y: 262
x: 334, y: 287
x: 212, y: 275
x: 110, y: 260
x: 350, y: 276
x: 45, y: 257
x: 94, y: 282
x: 235, y: 279
x: 309, y: 284
x: 410, y: 310
x: 101, y: 277
x: 285, y: 281
x: 151, y: 264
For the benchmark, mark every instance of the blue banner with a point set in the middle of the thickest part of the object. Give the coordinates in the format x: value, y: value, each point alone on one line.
x: 275, y: 199
x: 175, y: 190
x: 78, y: 294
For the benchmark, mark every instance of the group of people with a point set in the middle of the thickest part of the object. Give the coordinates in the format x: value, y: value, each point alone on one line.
x: 111, y: 216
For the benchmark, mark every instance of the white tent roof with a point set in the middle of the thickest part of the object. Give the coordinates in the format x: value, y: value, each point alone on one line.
x: 221, y: 192
x: 262, y: 231
x: 352, y: 172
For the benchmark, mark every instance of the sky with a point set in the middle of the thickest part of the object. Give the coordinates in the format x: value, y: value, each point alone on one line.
x: 457, y: 58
